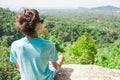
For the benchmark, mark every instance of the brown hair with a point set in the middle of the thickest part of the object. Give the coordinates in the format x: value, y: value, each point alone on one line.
x: 27, y: 19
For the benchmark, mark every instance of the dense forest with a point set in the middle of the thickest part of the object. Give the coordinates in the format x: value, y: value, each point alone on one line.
x: 83, y: 37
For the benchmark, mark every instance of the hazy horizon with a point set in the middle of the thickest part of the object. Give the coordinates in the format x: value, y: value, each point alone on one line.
x: 57, y: 4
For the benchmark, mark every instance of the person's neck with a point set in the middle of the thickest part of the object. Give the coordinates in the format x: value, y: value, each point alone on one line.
x: 35, y: 35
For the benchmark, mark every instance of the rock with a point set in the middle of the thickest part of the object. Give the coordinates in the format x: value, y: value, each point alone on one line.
x: 86, y: 72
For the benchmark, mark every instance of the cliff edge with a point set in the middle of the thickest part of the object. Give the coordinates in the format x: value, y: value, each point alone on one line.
x: 87, y: 72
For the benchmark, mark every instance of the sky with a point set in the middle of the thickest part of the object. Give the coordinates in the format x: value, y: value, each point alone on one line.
x: 56, y: 4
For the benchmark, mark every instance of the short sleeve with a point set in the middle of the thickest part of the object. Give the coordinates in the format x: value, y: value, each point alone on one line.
x: 53, y: 54
x: 13, y: 56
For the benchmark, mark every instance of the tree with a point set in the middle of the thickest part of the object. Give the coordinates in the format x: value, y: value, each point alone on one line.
x: 84, y: 49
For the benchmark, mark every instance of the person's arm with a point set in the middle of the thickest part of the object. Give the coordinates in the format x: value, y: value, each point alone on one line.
x: 59, y: 62
x: 54, y: 64
x: 18, y: 67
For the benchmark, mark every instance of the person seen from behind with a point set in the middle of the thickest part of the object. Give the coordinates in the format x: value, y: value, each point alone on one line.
x: 35, y: 58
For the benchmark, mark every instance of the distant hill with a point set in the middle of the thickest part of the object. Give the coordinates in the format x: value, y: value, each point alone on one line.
x: 102, y: 8
x: 107, y: 8
x: 83, y: 8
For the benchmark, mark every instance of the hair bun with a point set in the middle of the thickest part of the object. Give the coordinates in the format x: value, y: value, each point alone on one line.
x: 29, y: 16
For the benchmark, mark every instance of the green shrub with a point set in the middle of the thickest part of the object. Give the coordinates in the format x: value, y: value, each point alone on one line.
x: 83, y: 50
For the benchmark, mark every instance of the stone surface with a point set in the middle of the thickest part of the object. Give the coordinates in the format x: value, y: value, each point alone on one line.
x: 87, y: 72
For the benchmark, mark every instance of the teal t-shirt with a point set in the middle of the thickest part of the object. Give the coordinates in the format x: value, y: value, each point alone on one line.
x: 33, y: 56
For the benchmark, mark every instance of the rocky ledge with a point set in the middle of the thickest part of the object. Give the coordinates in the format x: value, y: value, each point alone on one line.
x: 87, y: 72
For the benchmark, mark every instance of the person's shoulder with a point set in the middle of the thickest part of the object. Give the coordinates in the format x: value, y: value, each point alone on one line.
x: 17, y: 42
x: 48, y: 42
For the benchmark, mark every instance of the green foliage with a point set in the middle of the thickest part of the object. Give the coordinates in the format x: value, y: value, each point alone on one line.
x: 62, y: 30
x: 103, y: 27
x: 110, y: 57
x: 8, y: 30
x: 109, y: 60
x: 8, y: 70
x: 84, y: 49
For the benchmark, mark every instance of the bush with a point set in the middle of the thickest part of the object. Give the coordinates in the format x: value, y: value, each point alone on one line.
x: 83, y: 50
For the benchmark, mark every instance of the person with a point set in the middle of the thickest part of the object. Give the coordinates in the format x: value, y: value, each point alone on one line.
x: 35, y: 58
